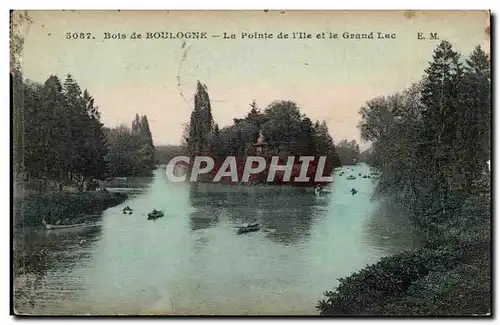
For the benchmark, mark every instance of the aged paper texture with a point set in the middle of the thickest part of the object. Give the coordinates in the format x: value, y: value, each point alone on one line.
x: 251, y: 162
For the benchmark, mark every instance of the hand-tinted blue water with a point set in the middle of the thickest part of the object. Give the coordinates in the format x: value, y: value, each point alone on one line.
x: 192, y: 261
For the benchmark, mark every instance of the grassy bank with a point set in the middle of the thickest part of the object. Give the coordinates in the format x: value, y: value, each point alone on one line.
x: 420, y: 282
x: 31, y: 209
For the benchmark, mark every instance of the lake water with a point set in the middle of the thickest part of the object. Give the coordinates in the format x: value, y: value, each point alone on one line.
x: 192, y: 261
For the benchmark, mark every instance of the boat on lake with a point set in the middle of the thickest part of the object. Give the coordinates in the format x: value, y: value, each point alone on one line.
x: 155, y: 215
x: 127, y: 209
x: 351, y: 177
x: 321, y: 190
x: 76, y: 225
x: 255, y: 226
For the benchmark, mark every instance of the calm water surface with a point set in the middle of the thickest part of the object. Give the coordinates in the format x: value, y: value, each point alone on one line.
x: 191, y: 261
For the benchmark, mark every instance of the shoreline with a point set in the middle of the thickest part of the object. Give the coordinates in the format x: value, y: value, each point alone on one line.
x: 30, y: 209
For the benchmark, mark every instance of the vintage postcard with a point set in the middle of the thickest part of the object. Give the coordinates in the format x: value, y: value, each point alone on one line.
x: 251, y: 163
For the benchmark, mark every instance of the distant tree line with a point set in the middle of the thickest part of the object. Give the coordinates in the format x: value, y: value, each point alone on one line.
x: 58, y: 135
x: 131, y: 150
x: 368, y: 157
x: 286, y: 131
x: 348, y: 152
x: 164, y: 154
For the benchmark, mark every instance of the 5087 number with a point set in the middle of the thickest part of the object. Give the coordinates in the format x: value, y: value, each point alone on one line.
x: 79, y: 36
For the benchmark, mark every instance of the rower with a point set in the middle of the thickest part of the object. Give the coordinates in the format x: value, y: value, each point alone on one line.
x: 354, y: 191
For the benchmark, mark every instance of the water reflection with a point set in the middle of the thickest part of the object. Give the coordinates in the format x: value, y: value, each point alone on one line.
x: 389, y: 229
x: 64, y: 245
x: 285, y: 213
x: 204, y: 218
x: 207, y: 208
x: 131, y: 185
x: 43, y: 264
x: 192, y: 261
x: 129, y: 182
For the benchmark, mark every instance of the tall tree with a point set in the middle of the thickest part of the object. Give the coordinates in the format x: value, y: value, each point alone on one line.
x: 440, y: 96
x: 201, y: 121
x: 55, y: 138
x: 136, y: 123
x: 145, y: 131
x: 147, y: 140
x: 476, y: 110
x: 97, y: 142
x: 282, y: 127
x: 77, y: 123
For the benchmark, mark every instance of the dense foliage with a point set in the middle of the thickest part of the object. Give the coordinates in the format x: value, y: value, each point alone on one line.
x: 58, y: 131
x: 58, y: 135
x: 286, y: 131
x: 164, y: 154
x: 431, y: 144
x: 131, y: 151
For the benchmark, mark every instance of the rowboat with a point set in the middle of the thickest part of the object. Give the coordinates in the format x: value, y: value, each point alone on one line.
x: 321, y: 191
x: 76, y: 225
x: 155, y: 215
x: 127, y: 209
x: 249, y: 228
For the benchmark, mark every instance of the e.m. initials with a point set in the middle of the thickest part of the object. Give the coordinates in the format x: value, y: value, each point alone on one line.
x: 430, y: 36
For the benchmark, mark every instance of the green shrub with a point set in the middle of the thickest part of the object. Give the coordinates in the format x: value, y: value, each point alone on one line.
x: 359, y: 293
x: 464, y: 290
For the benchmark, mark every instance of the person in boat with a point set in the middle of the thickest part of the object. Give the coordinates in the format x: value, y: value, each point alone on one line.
x: 354, y: 191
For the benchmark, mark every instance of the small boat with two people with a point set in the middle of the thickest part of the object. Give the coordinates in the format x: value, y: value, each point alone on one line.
x: 254, y: 226
x: 155, y: 214
x: 127, y: 209
x: 350, y: 177
x: 318, y: 190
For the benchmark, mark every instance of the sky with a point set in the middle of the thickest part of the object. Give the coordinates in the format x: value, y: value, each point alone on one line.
x: 330, y: 79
